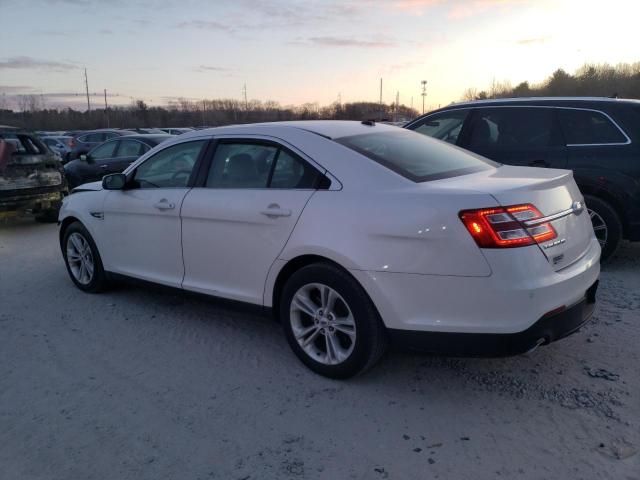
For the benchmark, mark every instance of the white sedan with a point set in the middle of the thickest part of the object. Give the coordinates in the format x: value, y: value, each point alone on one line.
x: 354, y: 234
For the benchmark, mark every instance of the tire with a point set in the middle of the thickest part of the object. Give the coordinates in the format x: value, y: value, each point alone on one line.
x: 76, y: 239
x: 342, y: 341
x: 606, y: 224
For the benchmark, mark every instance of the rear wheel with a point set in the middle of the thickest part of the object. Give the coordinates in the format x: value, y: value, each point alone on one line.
x: 330, y: 322
x: 82, y: 259
x: 606, y: 225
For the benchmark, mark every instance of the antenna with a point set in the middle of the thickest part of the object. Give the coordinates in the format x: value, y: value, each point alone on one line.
x: 86, y: 85
x: 424, y: 93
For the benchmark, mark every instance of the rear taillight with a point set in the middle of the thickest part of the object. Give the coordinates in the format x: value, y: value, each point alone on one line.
x: 503, y: 227
x: 72, y: 142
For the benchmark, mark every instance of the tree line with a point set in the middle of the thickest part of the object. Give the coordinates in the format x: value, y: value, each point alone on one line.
x: 590, y: 80
x: 32, y: 114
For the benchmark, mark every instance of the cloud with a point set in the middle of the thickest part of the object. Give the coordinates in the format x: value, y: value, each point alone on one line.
x: 210, y: 68
x: 106, y: 31
x: 29, y: 63
x: 470, y: 8
x: 329, y: 41
x: 416, y: 6
x: 531, y: 41
x: 15, y: 89
x: 205, y: 25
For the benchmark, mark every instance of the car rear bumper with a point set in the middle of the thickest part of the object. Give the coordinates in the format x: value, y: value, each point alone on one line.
x: 43, y: 198
x: 522, y: 288
x: 549, y: 328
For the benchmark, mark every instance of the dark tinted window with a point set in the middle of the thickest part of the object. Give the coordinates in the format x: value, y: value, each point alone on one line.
x: 241, y: 165
x: 415, y: 156
x: 584, y: 127
x: 92, y: 138
x: 292, y: 172
x: 252, y: 165
x: 443, y: 126
x: 512, y: 127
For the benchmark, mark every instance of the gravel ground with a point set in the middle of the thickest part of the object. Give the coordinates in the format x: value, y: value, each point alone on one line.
x: 151, y: 383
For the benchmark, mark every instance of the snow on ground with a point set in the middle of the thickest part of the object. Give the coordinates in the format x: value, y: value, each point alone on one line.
x: 151, y: 383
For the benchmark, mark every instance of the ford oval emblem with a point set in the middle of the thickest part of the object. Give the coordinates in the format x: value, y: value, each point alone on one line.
x: 577, y: 207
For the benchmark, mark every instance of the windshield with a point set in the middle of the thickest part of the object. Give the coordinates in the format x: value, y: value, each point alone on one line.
x: 415, y: 156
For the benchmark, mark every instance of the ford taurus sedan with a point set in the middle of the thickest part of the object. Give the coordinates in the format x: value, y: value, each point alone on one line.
x: 354, y: 235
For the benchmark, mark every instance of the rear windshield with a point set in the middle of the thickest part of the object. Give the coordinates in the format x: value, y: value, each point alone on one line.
x: 415, y: 156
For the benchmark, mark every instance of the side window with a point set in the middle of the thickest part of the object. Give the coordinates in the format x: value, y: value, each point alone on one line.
x: 106, y: 150
x: 443, y: 126
x: 109, y: 135
x: 512, y: 127
x: 292, y: 172
x: 241, y: 165
x: 169, y: 168
x: 129, y: 148
x: 586, y: 127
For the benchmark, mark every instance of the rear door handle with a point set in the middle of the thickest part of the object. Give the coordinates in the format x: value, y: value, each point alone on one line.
x: 164, y: 204
x: 274, y: 211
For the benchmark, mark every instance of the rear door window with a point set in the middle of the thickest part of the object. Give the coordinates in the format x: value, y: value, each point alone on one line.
x: 589, y: 127
x: 511, y: 128
x: 106, y: 150
x: 443, y: 126
x: 130, y: 148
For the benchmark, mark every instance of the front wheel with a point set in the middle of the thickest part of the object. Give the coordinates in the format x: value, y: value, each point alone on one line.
x: 82, y: 259
x: 606, y: 225
x: 330, y: 322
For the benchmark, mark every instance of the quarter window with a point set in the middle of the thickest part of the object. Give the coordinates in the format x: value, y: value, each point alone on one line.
x: 443, y: 126
x: 292, y: 172
x: 512, y: 128
x: 169, y: 168
x: 587, y: 127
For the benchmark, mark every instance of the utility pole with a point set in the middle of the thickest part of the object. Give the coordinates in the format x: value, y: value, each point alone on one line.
x: 203, y: 107
x: 424, y: 93
x: 244, y: 94
x: 86, y: 85
x: 106, y: 108
x: 381, y: 98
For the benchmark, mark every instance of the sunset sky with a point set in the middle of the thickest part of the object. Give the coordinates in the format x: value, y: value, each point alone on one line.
x: 300, y: 51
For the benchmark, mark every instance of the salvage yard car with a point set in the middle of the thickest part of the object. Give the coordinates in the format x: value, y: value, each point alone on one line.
x: 112, y: 156
x: 31, y: 176
x: 353, y: 233
x: 597, y: 138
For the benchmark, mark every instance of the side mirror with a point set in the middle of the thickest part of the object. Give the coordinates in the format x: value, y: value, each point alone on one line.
x: 85, y: 158
x: 114, y: 181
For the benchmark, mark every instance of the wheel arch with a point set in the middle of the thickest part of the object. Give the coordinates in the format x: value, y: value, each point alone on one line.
x: 607, y: 197
x: 64, y: 224
x: 295, y: 264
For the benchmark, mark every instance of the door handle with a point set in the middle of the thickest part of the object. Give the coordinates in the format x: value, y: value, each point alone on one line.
x: 104, y: 166
x: 274, y: 211
x: 164, y: 205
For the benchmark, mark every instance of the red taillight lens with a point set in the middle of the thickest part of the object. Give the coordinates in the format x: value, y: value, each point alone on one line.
x: 72, y: 142
x: 503, y: 227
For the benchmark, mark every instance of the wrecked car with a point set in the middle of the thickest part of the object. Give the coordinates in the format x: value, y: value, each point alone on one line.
x: 31, y: 177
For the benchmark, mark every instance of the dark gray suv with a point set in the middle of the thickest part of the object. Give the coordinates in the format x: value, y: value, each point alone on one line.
x: 597, y: 138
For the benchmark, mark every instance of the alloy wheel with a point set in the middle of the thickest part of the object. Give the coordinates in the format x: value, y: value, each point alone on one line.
x: 599, y: 227
x: 322, y: 323
x: 80, y: 258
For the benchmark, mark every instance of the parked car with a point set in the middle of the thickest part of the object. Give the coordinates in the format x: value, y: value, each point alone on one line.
x: 31, y: 177
x: 177, y: 131
x: 60, y: 145
x: 597, y: 138
x: 111, y: 156
x: 84, y: 141
x: 352, y: 233
x: 154, y: 131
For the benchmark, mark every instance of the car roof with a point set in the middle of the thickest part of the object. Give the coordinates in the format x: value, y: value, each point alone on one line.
x: 330, y: 129
x: 147, y: 136
x: 550, y: 101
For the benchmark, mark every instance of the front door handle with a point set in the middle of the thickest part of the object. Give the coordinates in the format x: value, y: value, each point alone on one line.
x: 274, y: 211
x: 164, y: 204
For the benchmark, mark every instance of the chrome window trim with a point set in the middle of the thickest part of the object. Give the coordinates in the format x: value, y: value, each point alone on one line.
x: 471, y: 107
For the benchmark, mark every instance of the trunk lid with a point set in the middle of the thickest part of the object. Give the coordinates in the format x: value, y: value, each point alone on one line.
x: 552, y: 192
x: 30, y: 171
